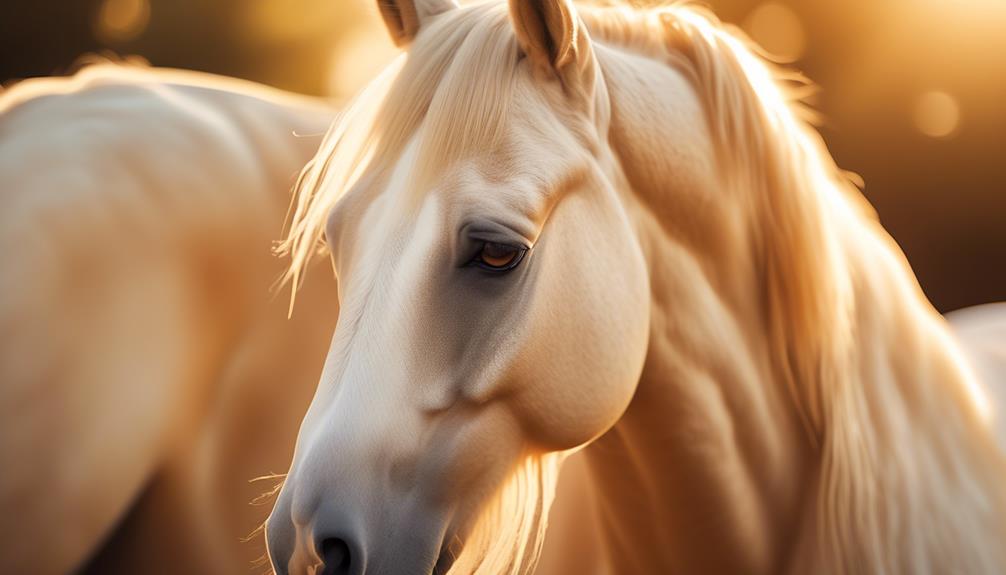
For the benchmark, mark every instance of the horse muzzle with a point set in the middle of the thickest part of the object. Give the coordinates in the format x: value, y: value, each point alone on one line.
x: 339, y: 536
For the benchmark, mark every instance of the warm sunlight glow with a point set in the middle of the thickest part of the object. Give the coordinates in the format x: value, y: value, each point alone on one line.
x: 581, y: 287
x: 937, y: 114
x: 122, y: 20
x: 281, y: 20
x: 358, y: 58
x: 777, y: 29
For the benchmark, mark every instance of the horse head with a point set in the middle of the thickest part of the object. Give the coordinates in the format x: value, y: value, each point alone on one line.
x: 494, y: 302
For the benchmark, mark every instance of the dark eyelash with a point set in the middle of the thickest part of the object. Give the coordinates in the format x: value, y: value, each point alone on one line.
x: 477, y: 262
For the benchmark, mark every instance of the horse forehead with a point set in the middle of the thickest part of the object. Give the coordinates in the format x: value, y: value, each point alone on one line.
x: 517, y: 186
x: 517, y: 176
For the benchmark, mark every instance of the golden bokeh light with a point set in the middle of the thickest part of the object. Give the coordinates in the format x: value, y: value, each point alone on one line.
x: 777, y: 29
x: 122, y: 20
x: 282, y: 20
x: 937, y: 114
x: 360, y: 56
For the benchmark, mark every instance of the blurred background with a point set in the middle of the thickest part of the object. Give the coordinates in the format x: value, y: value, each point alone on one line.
x: 912, y: 92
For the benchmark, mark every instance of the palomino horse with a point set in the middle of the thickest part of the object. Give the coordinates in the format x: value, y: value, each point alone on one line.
x: 144, y: 364
x: 609, y: 231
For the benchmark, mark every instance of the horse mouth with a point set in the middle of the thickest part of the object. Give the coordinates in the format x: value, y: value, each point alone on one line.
x: 448, y: 554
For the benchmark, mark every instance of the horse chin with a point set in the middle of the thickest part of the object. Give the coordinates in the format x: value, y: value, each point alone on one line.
x: 438, y: 564
x: 432, y: 552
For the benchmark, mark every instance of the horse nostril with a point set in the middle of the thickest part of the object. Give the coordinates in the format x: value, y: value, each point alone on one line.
x: 335, y: 555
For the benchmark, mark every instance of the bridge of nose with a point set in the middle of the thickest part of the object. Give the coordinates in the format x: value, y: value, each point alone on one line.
x: 347, y: 464
x: 362, y: 438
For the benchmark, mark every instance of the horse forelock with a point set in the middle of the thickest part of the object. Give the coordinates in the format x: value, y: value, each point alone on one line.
x: 455, y: 83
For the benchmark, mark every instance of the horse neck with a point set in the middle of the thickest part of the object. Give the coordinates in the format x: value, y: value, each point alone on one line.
x: 801, y: 414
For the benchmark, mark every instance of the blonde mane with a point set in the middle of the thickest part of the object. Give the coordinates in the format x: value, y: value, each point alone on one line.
x: 825, y: 256
x: 878, y: 481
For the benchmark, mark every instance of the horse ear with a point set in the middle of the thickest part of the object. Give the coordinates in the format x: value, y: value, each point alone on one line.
x: 551, y: 34
x: 404, y: 18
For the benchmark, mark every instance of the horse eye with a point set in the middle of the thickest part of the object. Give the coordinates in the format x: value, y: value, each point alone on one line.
x: 499, y: 257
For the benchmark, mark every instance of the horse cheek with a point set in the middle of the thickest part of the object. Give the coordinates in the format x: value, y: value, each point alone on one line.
x: 588, y: 334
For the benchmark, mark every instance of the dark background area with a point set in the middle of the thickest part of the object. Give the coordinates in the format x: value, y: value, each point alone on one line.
x: 912, y: 92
